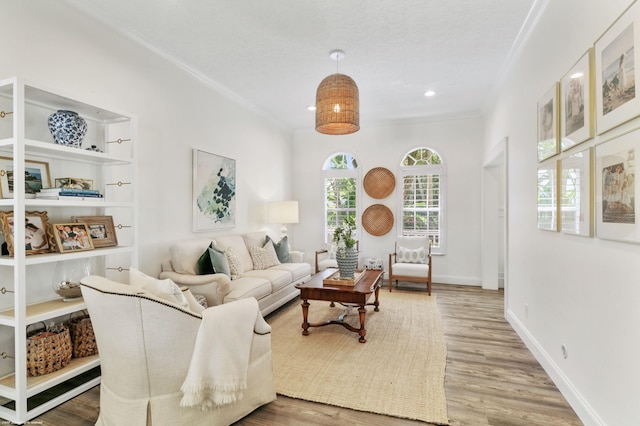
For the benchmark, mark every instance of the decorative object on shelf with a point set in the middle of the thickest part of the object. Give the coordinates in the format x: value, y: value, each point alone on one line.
x: 548, y: 145
x: 67, y: 128
x: 214, y: 191
x: 337, y: 102
x: 576, y: 107
x: 373, y: 263
x: 83, y: 340
x: 377, y: 220
x: 38, y: 236
x: 379, y: 182
x: 72, y: 237
x: 48, y: 350
x: 36, y: 177
x: 101, y: 230
x: 93, y: 148
x: 74, y: 183
x: 346, y: 253
x: 282, y: 212
x: 67, y: 276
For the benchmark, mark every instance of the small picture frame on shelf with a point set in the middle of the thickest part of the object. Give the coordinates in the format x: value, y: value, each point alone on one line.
x: 38, y: 237
x: 74, y: 183
x: 101, y: 230
x: 72, y: 237
x: 36, y: 177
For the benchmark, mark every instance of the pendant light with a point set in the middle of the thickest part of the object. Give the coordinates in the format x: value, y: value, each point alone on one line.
x: 337, y: 103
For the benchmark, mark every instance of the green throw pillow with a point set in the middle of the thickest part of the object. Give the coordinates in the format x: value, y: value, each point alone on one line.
x: 204, y: 262
x: 282, y: 249
x: 219, y: 261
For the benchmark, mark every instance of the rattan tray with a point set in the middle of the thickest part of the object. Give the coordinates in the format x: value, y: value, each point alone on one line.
x: 377, y: 219
x: 335, y: 279
x: 379, y: 182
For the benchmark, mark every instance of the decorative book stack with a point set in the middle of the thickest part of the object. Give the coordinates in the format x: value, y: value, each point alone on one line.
x: 70, y: 194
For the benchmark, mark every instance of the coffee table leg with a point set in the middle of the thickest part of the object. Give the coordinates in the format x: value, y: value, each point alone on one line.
x: 305, y: 315
x: 362, y: 332
x: 376, y: 303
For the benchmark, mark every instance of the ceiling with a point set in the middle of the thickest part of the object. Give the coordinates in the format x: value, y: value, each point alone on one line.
x: 271, y: 55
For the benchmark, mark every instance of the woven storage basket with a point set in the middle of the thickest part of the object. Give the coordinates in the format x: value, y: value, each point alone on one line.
x: 379, y: 182
x: 377, y: 220
x: 82, y: 338
x: 48, y: 353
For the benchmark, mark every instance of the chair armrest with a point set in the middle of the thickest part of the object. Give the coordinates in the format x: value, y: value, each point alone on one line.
x: 297, y: 256
x: 318, y: 254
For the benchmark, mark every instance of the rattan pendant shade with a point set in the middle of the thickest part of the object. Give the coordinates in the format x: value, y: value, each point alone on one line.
x: 337, y: 105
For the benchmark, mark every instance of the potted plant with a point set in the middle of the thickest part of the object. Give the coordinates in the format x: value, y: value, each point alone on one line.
x: 346, y: 253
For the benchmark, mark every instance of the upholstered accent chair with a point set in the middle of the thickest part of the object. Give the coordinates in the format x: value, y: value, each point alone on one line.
x: 146, y: 347
x: 411, y: 261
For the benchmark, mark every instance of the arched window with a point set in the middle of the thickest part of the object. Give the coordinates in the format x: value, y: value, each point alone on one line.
x: 340, y: 191
x: 422, y: 196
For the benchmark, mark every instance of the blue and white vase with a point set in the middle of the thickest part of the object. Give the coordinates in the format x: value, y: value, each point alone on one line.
x: 67, y: 128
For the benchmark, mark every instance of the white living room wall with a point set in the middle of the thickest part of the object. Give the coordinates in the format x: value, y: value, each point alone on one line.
x: 457, y: 140
x: 563, y: 290
x: 54, y: 45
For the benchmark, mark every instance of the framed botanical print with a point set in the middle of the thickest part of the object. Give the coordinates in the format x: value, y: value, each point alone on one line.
x: 36, y: 176
x: 576, y: 199
x: 617, y: 98
x: 38, y: 237
x: 214, y: 191
x: 576, y: 103
x: 548, y: 124
x: 548, y: 196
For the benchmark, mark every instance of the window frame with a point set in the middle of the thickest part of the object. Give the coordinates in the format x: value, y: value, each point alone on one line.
x: 341, y: 173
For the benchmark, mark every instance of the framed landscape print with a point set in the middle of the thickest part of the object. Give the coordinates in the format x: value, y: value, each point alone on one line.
x: 576, y: 200
x: 36, y: 176
x: 616, y: 74
x: 38, y: 237
x: 548, y: 124
x: 576, y: 104
x: 616, y: 215
x: 548, y: 197
x: 101, y: 230
x: 214, y: 191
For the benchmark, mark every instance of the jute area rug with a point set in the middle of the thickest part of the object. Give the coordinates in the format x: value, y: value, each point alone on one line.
x: 398, y: 372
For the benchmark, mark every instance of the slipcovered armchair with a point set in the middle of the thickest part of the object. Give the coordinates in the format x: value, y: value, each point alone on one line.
x: 411, y: 261
x: 150, y: 350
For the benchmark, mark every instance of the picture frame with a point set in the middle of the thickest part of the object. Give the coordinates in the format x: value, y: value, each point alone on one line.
x: 548, y: 133
x: 75, y: 183
x: 38, y: 236
x: 37, y: 176
x: 547, y: 204
x: 576, y: 195
x: 577, y: 121
x: 72, y: 237
x: 617, y: 100
x: 615, y: 189
x: 101, y: 230
x: 214, y: 191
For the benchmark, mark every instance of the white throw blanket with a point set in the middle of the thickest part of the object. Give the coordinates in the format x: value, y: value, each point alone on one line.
x: 217, y: 373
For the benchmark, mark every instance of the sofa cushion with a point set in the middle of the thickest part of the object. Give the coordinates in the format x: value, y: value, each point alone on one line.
x: 238, y: 244
x: 219, y: 261
x: 255, y: 238
x: 185, y: 255
x: 164, y: 289
x: 264, y: 257
x: 235, y: 263
x: 281, y: 248
x: 248, y: 287
x: 279, y: 278
x: 411, y: 269
x: 297, y: 270
x: 204, y: 262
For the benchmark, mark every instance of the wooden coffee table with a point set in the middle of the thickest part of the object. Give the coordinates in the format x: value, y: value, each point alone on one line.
x: 349, y: 296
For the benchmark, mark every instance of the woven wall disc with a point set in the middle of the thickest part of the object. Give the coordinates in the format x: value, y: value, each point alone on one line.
x: 377, y: 220
x: 379, y: 182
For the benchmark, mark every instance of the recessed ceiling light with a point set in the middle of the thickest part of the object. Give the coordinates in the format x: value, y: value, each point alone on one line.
x: 311, y: 107
x: 429, y: 93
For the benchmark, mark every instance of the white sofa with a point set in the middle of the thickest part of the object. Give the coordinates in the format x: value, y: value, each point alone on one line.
x: 272, y: 287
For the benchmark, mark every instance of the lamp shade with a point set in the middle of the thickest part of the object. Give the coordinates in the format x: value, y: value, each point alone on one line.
x: 337, y: 105
x: 282, y: 212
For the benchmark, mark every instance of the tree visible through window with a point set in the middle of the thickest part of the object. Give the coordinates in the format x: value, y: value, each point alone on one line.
x: 422, y: 195
x: 340, y: 191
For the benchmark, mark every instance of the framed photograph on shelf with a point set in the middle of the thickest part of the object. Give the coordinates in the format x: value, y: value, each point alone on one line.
x: 616, y: 217
x: 214, y: 191
x: 576, y: 200
x: 75, y: 183
x: 72, y: 237
x: 38, y: 237
x: 36, y: 176
x: 548, y: 197
x: 617, y: 100
x: 576, y: 104
x: 101, y: 230
x: 548, y: 124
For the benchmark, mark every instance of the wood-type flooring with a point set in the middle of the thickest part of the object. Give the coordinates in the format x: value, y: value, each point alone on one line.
x: 491, y: 378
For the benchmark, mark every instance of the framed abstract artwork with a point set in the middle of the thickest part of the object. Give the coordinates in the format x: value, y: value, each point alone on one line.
x: 576, y: 103
x: 616, y: 215
x: 548, y: 124
x: 576, y: 200
x: 214, y: 191
x: 617, y: 99
x: 548, y: 197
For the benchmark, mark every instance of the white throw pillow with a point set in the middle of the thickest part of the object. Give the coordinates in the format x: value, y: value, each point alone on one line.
x: 264, y: 257
x: 407, y: 255
x: 235, y: 264
x: 164, y: 289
